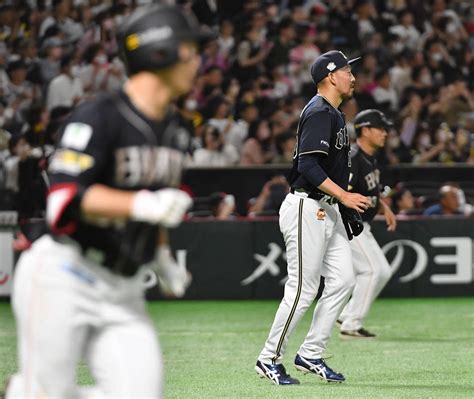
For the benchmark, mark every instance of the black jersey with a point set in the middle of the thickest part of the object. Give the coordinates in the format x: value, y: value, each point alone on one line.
x: 365, y: 179
x: 322, y: 130
x: 108, y: 141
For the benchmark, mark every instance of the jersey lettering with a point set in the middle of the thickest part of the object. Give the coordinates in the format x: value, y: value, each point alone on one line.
x: 145, y: 166
x: 342, y: 138
x: 372, y: 179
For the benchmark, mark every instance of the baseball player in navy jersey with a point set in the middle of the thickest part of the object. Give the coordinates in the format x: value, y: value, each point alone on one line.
x: 371, y: 268
x: 315, y: 237
x: 79, y: 291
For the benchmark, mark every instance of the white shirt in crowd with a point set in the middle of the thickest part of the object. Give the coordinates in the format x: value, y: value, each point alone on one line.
x: 227, y: 157
x: 63, y: 90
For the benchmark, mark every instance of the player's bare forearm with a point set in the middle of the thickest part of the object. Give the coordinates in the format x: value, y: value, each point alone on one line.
x: 104, y: 201
x: 390, y: 218
x: 351, y: 200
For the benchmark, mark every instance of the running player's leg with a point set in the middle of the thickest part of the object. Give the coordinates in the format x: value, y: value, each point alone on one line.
x: 52, y: 324
x: 339, y: 282
x: 125, y: 360
x: 305, y: 245
x: 372, y: 273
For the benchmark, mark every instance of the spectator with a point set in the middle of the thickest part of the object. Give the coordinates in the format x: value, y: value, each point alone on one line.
x: 251, y: 54
x: 65, y: 90
x: 403, y: 202
x: 226, y: 39
x: 282, y: 45
x: 214, y: 151
x: 384, y: 94
x: 258, y: 149
x: 301, y: 58
x: 285, y: 145
x: 270, y: 198
x: 50, y: 62
x: 406, y: 30
x: 448, y: 202
x: 248, y: 113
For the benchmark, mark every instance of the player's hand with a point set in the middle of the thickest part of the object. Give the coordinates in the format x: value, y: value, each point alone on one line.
x: 390, y: 218
x: 355, y: 201
x: 173, y: 278
x: 166, y: 206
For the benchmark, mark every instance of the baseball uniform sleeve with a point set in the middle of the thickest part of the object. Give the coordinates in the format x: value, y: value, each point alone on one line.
x: 316, y: 133
x: 83, y: 150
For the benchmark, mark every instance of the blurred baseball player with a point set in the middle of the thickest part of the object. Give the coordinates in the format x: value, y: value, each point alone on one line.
x: 315, y: 238
x: 79, y: 292
x: 371, y: 268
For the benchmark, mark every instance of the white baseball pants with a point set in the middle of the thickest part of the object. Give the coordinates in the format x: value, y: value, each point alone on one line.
x: 67, y: 309
x: 316, y: 244
x: 372, y: 272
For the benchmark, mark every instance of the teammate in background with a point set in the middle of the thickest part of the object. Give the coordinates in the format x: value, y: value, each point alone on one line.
x: 79, y: 291
x: 371, y: 268
x: 315, y: 238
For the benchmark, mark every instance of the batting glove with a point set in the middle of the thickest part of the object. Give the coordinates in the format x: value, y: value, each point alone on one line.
x: 173, y: 278
x: 166, y: 206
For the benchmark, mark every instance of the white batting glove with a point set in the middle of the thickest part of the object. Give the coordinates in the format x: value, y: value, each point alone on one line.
x: 173, y: 278
x: 166, y: 206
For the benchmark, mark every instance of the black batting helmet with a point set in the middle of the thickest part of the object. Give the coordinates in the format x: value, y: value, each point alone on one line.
x: 371, y: 118
x: 149, y: 38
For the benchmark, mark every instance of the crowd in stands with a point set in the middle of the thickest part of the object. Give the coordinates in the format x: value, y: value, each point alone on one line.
x: 417, y: 67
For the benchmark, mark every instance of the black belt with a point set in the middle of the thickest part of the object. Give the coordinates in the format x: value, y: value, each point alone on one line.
x: 316, y: 196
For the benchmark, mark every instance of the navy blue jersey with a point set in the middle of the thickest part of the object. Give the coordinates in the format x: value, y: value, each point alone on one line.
x: 322, y: 132
x: 108, y: 141
x: 365, y: 179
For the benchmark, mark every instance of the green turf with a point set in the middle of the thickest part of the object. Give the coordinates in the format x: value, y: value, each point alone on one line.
x: 425, y: 349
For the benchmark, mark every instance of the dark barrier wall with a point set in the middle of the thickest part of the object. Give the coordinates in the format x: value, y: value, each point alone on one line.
x: 431, y: 257
x: 246, y: 182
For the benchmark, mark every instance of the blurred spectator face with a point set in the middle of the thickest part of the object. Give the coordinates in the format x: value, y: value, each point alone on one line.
x: 370, y: 62
x: 462, y: 137
x: 63, y: 8
x: 263, y: 131
x: 55, y: 52
x: 406, y: 201
x: 393, y: 140
x: 259, y: 20
x: 250, y: 113
x: 222, y: 110
x: 449, y: 199
x: 309, y: 36
x: 384, y: 81
x: 18, y: 75
x: 212, y: 138
x: 214, y: 77
x: 227, y: 28
x: 425, y: 78
x: 407, y: 19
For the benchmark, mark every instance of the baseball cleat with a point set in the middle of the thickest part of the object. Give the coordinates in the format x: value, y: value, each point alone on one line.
x: 338, y: 323
x: 318, y: 367
x: 276, y: 373
x: 360, y: 333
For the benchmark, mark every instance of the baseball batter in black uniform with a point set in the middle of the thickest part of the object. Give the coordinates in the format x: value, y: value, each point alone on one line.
x: 79, y: 291
x: 371, y: 268
x: 315, y: 237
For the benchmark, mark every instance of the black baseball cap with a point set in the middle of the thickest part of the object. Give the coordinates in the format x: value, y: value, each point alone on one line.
x: 372, y: 118
x: 329, y: 62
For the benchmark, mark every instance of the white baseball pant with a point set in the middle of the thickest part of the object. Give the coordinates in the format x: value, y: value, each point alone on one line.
x: 316, y: 243
x: 372, y: 272
x: 68, y: 308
